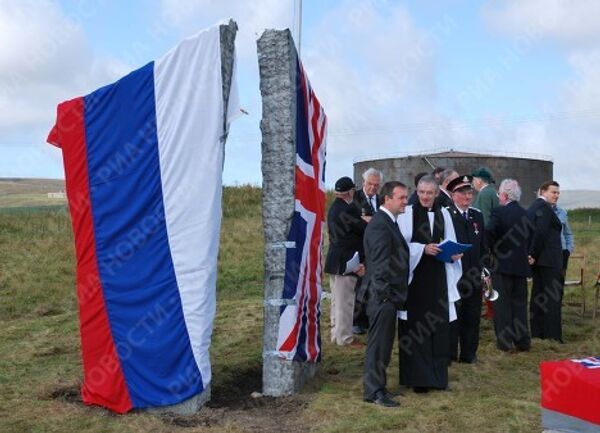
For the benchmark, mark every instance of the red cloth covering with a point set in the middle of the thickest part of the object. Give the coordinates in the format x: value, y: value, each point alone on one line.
x: 571, y: 389
x: 489, y: 311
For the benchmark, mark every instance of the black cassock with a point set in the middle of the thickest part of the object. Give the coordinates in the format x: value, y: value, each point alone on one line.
x: 424, y: 337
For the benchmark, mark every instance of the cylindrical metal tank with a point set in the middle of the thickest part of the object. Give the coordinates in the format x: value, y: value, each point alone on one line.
x: 529, y: 170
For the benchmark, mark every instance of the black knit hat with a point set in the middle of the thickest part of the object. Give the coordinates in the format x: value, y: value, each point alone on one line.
x: 344, y: 184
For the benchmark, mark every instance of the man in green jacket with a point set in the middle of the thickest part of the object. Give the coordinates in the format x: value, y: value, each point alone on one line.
x: 487, y: 198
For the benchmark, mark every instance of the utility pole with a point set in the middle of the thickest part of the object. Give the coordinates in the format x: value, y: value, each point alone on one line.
x: 298, y: 8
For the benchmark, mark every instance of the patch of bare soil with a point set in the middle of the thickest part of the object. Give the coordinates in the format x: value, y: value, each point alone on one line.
x: 232, y: 403
x: 67, y: 393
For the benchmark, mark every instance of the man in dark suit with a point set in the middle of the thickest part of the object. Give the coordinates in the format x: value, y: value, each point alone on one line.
x: 413, y: 198
x: 469, y: 229
x: 346, y: 229
x: 367, y: 201
x: 385, y: 287
x: 546, y: 261
x: 507, y: 234
x: 444, y: 198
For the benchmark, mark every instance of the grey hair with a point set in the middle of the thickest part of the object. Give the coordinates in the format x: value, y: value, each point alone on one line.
x: 446, y: 174
x: 429, y: 179
x: 511, y: 188
x: 372, y: 172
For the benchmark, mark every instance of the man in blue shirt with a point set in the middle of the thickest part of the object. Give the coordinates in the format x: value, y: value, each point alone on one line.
x: 566, y: 237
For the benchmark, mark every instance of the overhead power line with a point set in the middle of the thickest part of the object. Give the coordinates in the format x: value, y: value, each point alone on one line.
x: 442, y: 125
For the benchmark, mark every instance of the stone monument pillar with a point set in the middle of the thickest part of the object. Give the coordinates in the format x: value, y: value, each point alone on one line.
x: 277, y: 59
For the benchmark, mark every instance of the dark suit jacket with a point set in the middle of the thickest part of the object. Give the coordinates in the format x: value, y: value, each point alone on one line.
x: 346, y: 229
x: 443, y: 199
x: 386, y: 255
x: 507, y: 234
x: 545, y: 246
x: 470, y: 231
x: 363, y: 205
x: 414, y: 198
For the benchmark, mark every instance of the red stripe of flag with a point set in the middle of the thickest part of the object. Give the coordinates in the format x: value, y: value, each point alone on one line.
x: 104, y: 383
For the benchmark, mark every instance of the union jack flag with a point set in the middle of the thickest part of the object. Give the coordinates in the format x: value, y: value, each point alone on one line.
x: 299, y: 322
x: 590, y: 362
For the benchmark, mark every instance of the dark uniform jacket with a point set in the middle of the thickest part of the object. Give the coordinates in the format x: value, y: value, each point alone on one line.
x: 386, y: 255
x: 363, y: 205
x: 470, y: 230
x: 507, y: 236
x: 443, y: 199
x: 545, y: 246
x: 346, y: 229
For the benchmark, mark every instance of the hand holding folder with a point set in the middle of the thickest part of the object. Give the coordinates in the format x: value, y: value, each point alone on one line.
x: 449, y: 248
x: 353, y: 264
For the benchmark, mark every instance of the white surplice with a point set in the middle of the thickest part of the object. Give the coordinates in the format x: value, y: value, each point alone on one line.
x: 416, y: 250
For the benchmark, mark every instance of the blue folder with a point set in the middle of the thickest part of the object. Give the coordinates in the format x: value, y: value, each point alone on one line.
x: 449, y: 248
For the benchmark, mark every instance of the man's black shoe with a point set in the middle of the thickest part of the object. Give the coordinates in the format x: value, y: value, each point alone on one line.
x: 474, y: 360
x: 382, y: 399
x: 358, y: 330
x: 421, y: 389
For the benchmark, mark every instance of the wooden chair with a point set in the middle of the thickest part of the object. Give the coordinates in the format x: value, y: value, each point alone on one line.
x: 580, y: 281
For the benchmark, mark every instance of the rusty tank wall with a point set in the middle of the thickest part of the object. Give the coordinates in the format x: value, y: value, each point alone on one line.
x: 530, y: 173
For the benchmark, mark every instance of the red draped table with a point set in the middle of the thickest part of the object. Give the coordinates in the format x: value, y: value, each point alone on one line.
x: 571, y: 395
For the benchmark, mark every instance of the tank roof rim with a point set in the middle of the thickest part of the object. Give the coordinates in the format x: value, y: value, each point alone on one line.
x: 441, y: 153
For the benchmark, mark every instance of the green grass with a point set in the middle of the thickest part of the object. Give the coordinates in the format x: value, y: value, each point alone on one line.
x: 585, y: 223
x: 40, y: 364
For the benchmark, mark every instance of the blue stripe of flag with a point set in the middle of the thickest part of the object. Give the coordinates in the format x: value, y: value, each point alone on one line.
x: 135, y: 264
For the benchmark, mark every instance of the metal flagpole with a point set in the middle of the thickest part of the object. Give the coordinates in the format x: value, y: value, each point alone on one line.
x: 300, y: 29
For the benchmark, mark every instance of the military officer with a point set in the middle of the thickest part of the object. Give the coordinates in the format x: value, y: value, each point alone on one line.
x: 469, y: 228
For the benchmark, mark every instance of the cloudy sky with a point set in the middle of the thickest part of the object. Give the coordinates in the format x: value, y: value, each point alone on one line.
x: 393, y: 76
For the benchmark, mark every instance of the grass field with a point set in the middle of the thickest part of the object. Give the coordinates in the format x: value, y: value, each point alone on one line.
x: 40, y: 366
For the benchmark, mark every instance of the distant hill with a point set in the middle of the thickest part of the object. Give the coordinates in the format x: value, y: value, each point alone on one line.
x: 26, y: 186
x: 34, y: 192
x: 15, y: 192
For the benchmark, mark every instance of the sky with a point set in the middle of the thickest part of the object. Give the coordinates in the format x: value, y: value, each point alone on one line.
x: 394, y: 77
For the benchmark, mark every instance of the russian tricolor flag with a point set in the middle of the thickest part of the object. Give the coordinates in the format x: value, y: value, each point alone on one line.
x: 143, y: 162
